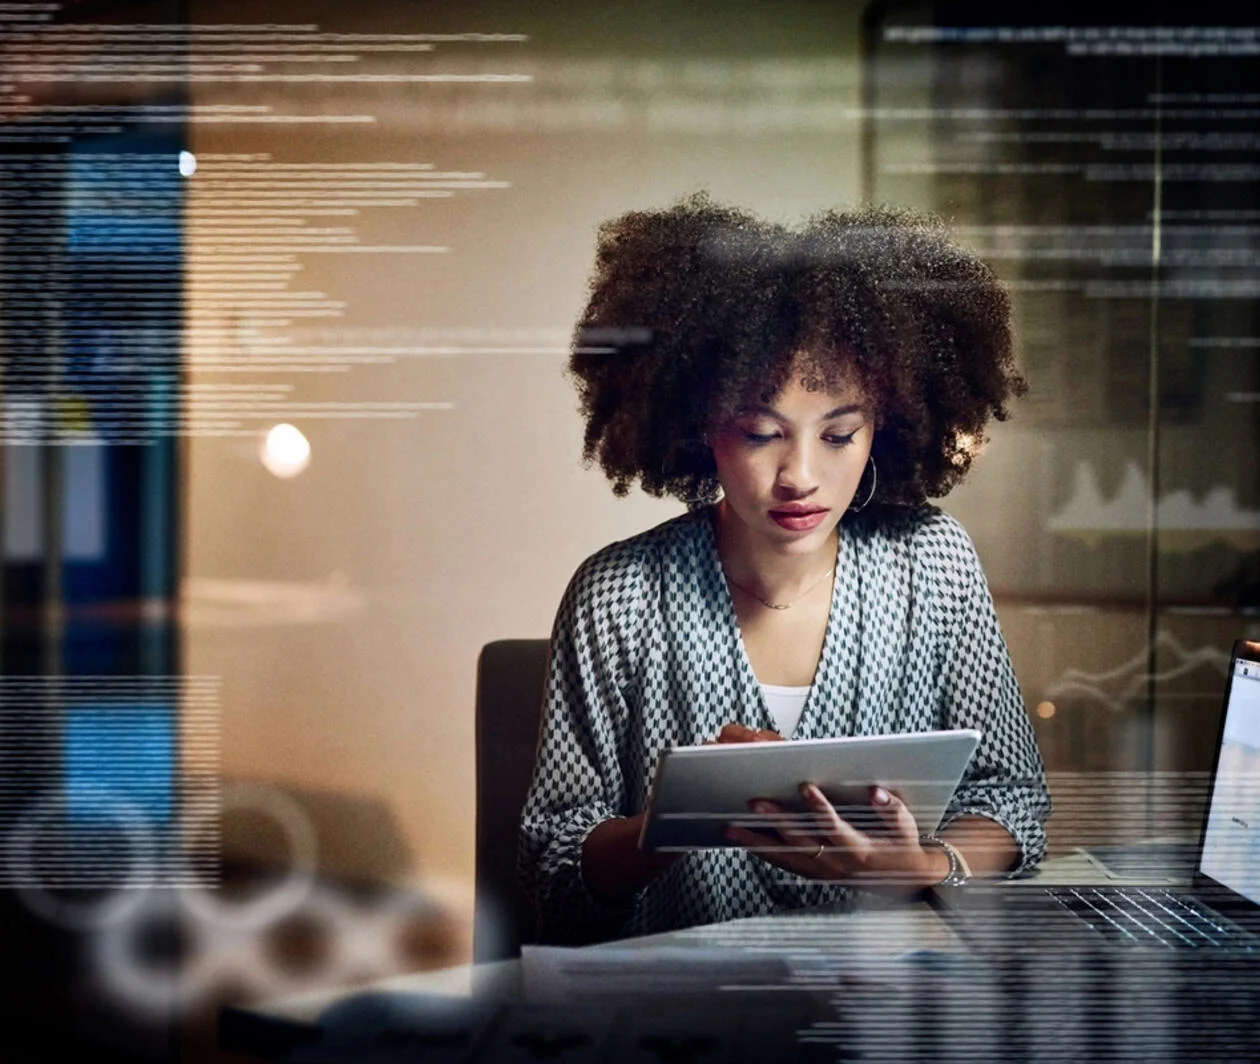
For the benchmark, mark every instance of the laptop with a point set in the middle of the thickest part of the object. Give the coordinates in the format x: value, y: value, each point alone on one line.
x: 1219, y: 911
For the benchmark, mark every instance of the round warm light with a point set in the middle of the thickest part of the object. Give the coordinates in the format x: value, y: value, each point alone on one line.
x: 1045, y: 710
x: 286, y: 452
x: 187, y: 163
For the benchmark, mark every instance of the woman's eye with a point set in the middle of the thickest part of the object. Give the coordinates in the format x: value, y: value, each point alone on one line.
x: 840, y: 441
x: 759, y: 437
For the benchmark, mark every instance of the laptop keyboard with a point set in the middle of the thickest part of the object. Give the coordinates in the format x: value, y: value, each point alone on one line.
x: 1151, y: 917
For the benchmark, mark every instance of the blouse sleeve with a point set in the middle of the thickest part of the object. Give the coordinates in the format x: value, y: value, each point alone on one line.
x: 578, y: 777
x: 1005, y: 780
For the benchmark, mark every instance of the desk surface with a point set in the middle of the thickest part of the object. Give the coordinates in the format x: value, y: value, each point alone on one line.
x: 878, y: 936
x: 862, y: 934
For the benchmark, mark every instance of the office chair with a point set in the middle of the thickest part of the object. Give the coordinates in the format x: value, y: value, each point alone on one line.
x: 510, y: 676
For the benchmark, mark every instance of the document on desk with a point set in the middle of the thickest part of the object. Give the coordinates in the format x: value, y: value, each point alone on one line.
x: 742, y: 1007
x: 680, y: 1003
x: 613, y: 975
x: 608, y: 973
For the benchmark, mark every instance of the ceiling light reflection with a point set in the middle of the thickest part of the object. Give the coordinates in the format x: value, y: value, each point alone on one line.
x: 285, y: 452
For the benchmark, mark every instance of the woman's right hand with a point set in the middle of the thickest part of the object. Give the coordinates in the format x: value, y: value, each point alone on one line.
x: 741, y: 733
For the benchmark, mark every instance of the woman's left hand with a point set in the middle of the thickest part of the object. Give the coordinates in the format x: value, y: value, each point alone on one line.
x: 822, y: 845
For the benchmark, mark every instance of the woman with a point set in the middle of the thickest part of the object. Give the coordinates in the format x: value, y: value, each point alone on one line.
x: 804, y: 392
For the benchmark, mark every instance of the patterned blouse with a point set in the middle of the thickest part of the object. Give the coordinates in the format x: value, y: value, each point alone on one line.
x: 646, y: 654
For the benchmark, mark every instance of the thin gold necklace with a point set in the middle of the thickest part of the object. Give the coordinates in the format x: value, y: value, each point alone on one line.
x: 781, y: 605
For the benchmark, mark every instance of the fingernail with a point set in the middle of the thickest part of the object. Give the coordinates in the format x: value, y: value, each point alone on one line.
x: 881, y: 796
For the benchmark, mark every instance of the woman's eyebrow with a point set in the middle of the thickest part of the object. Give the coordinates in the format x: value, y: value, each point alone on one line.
x: 771, y: 412
x: 840, y: 411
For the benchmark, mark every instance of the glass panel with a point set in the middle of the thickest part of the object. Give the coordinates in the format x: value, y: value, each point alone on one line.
x: 1107, y: 171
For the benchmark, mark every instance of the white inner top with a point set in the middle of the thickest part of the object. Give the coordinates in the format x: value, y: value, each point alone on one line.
x: 786, y: 705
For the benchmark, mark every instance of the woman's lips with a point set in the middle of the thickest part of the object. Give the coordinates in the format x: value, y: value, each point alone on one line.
x: 798, y: 520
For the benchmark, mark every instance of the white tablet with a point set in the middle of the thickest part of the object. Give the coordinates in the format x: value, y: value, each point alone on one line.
x: 698, y: 790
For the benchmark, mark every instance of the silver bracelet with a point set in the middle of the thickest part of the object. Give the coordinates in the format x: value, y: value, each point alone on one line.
x: 959, y: 872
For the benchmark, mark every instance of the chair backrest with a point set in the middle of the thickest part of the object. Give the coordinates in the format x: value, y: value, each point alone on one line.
x: 510, y: 677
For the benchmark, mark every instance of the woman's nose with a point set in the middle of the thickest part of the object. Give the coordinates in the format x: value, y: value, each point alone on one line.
x: 796, y: 471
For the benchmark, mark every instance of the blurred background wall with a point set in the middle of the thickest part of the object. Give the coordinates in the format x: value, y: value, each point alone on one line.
x: 374, y: 223
x: 425, y: 538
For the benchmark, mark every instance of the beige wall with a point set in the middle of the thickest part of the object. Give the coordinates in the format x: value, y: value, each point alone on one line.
x: 344, y: 609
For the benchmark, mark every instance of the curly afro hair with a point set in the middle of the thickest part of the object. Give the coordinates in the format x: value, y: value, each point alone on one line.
x: 700, y: 309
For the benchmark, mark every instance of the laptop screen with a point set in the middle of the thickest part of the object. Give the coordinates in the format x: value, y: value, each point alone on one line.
x: 1231, y: 839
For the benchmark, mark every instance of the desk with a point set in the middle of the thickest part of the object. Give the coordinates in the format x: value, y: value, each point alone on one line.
x: 883, y: 982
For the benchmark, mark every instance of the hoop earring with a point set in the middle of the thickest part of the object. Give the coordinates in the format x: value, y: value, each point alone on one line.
x: 705, y: 484
x: 870, y: 460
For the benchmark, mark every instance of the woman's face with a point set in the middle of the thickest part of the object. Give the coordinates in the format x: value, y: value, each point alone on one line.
x: 789, y: 469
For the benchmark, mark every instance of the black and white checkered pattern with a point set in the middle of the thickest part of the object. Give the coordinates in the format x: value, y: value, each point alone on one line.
x: 646, y: 654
